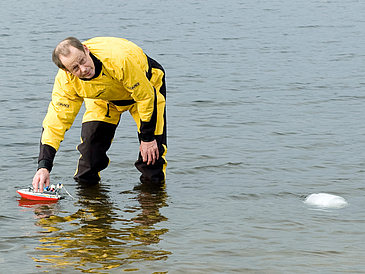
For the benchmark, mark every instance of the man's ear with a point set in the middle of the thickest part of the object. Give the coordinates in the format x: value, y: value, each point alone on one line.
x: 86, y: 49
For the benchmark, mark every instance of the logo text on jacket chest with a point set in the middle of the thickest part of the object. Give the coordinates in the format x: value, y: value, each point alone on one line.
x: 133, y: 87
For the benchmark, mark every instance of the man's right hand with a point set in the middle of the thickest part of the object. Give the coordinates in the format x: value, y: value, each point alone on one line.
x: 41, y: 179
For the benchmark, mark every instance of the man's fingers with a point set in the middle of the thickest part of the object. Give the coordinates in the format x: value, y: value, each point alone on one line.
x: 149, y: 152
x: 151, y: 158
x: 155, y: 156
x: 144, y: 156
x: 36, y: 183
x: 40, y: 180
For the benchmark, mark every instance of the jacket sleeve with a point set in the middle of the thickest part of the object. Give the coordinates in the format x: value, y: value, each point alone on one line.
x: 135, y: 80
x: 61, y: 114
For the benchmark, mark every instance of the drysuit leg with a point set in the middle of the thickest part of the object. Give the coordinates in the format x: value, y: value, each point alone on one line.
x: 155, y: 173
x: 96, y: 139
x: 98, y: 129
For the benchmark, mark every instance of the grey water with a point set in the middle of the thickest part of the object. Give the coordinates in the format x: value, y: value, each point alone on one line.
x: 265, y: 106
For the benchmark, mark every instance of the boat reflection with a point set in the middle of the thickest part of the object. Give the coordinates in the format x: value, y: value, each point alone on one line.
x: 41, y: 209
x: 100, y: 235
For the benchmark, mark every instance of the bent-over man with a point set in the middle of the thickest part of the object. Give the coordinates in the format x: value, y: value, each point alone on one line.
x: 111, y: 76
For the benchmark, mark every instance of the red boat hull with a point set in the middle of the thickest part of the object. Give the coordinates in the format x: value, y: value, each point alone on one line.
x: 37, y: 196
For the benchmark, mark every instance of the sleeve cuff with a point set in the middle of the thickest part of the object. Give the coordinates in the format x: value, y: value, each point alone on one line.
x: 45, y: 164
x: 147, y: 137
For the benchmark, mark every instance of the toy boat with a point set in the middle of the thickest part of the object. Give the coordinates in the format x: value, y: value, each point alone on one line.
x: 49, y: 194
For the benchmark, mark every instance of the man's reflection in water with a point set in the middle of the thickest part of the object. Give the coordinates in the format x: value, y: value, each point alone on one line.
x: 98, y: 236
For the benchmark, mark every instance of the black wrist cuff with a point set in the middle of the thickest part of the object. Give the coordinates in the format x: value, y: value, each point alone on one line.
x: 45, y: 164
x: 145, y: 137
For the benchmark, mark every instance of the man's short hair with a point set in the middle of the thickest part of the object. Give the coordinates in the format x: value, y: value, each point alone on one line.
x: 63, y: 48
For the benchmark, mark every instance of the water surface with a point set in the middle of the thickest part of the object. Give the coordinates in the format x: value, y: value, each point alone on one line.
x: 265, y: 106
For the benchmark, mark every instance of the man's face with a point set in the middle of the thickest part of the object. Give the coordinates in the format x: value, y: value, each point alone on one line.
x: 79, y: 63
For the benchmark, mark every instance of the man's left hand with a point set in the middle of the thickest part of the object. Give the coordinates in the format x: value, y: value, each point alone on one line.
x: 149, y: 152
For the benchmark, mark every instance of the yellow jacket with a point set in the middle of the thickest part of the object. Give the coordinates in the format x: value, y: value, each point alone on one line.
x: 125, y: 76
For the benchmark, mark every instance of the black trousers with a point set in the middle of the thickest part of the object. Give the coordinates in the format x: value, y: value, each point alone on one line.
x: 96, y: 138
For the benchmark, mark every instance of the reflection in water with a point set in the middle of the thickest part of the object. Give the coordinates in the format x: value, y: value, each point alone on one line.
x: 42, y: 209
x: 97, y: 236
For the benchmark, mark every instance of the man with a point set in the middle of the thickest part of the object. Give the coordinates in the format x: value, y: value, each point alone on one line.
x: 111, y: 76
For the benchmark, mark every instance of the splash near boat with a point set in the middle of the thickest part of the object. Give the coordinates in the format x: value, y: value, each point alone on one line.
x: 51, y: 193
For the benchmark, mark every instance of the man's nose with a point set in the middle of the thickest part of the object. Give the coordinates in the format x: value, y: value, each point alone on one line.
x: 82, y: 68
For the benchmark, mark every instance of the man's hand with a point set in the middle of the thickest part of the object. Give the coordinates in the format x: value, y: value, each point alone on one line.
x: 41, y: 179
x: 149, y: 152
